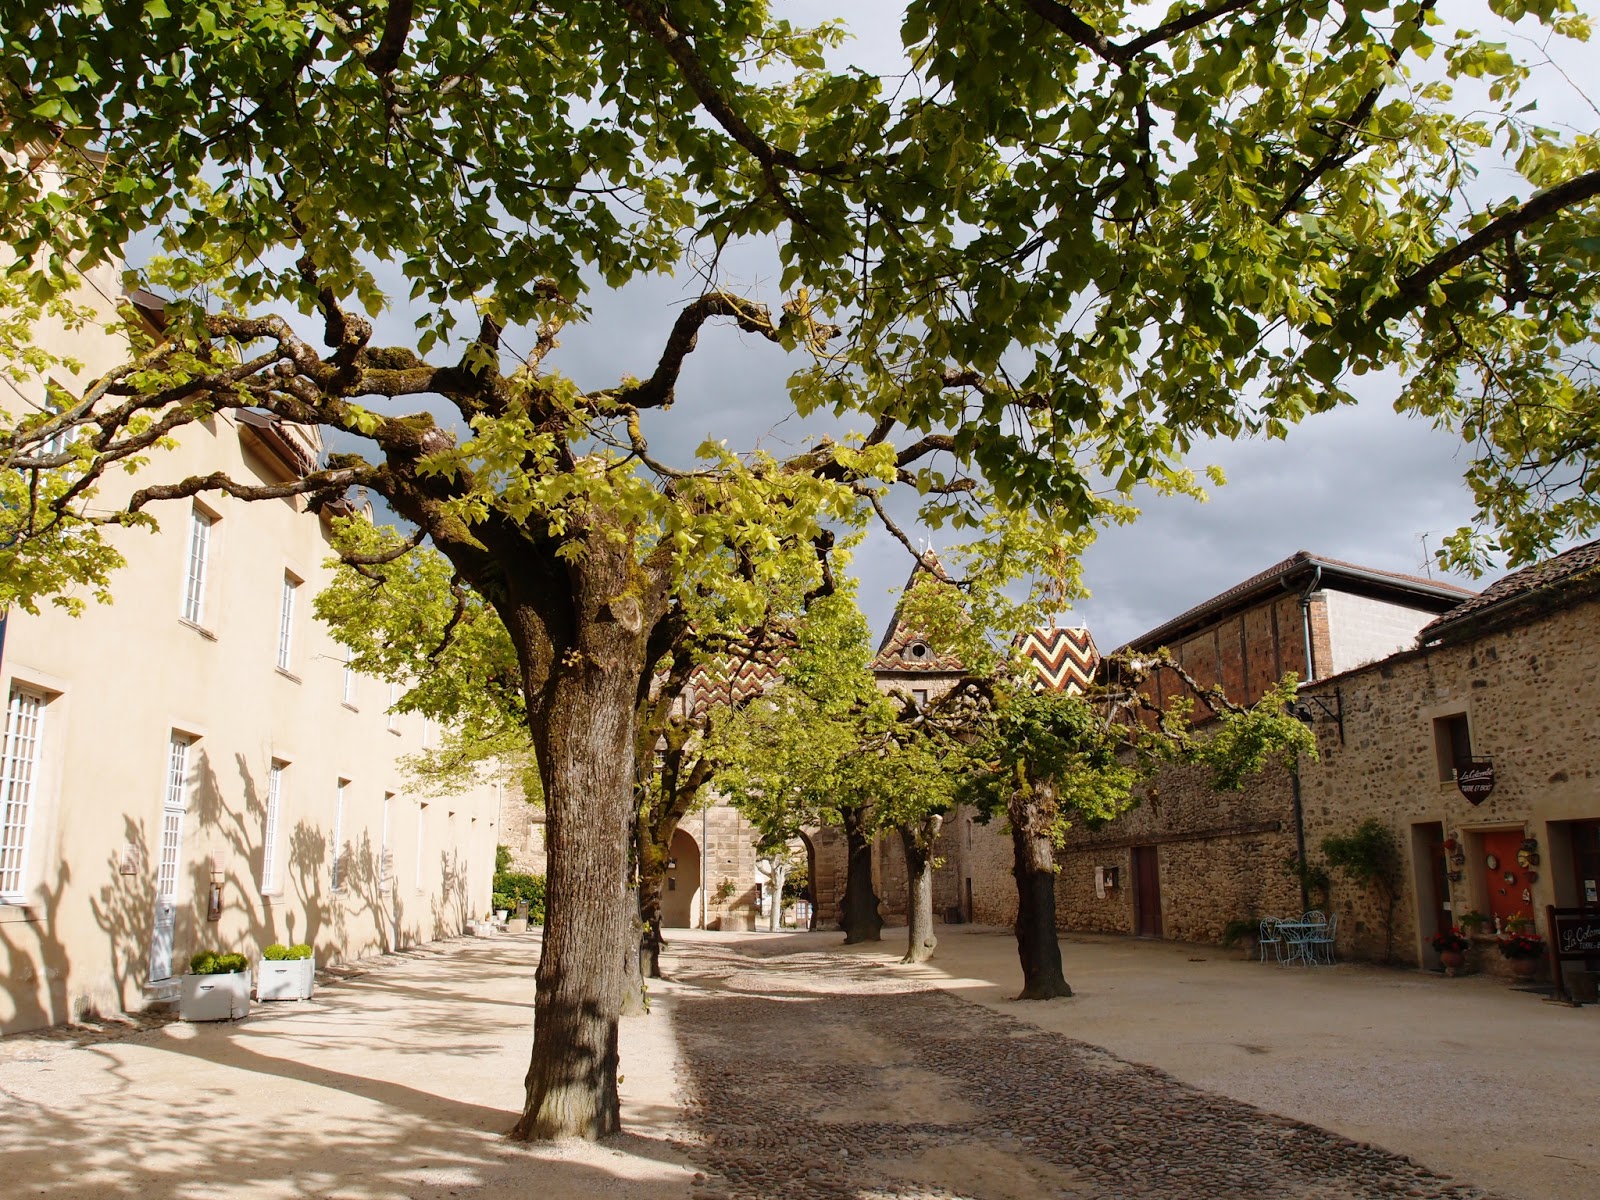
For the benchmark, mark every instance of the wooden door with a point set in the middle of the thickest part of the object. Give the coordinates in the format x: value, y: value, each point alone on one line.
x: 1146, y: 892
x: 1586, y: 862
x: 1438, y: 880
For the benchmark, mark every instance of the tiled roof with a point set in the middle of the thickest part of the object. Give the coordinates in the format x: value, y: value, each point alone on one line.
x: 1065, y: 659
x: 906, y: 649
x: 1431, y: 591
x: 1565, y: 568
x: 728, y: 682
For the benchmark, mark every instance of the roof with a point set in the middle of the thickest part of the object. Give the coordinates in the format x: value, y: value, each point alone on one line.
x: 1568, y: 571
x: 727, y: 682
x: 1412, y: 589
x: 1065, y: 659
x: 906, y: 649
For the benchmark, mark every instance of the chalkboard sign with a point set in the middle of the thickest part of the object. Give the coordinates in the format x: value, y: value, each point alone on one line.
x: 1575, y: 932
x: 1574, y: 935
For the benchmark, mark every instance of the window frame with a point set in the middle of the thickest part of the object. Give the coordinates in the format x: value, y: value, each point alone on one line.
x: 286, y: 607
x: 17, y: 817
x: 274, y: 818
x: 196, y: 568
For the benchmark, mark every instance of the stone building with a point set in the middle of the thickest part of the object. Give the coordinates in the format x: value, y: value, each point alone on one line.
x: 1188, y: 859
x: 1480, y: 750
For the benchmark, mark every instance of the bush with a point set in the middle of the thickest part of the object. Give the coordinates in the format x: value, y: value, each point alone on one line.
x: 512, y: 886
x: 278, y: 952
x: 1240, y: 929
x: 209, y: 962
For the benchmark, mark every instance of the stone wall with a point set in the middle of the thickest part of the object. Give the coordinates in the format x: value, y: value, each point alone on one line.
x: 730, y: 849
x: 522, y: 833
x: 1219, y: 857
x: 1529, y: 693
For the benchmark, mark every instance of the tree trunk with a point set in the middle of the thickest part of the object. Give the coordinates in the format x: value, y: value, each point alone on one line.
x: 1035, y: 871
x: 650, y: 916
x: 859, y: 910
x: 918, y: 842
x: 634, y: 1001
x: 584, y: 742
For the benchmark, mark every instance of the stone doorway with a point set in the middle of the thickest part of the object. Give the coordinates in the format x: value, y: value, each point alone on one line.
x: 680, y: 890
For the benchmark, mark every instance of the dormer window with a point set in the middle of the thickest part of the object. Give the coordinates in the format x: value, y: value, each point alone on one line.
x: 917, y: 650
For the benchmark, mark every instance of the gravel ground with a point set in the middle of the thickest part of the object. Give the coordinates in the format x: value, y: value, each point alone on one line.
x: 819, y: 1077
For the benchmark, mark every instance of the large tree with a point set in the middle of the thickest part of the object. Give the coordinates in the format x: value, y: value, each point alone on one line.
x: 1058, y: 267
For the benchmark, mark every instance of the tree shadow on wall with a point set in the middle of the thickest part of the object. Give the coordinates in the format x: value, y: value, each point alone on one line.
x: 34, y: 965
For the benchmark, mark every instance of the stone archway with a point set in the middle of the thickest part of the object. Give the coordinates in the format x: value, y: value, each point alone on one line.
x: 680, y: 889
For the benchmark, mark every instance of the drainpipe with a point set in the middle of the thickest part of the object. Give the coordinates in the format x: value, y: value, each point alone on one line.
x: 705, y: 882
x: 1305, y: 621
x: 1294, y: 770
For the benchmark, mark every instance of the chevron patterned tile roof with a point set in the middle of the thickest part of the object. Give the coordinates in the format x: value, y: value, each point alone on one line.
x: 1065, y: 659
x: 728, y: 682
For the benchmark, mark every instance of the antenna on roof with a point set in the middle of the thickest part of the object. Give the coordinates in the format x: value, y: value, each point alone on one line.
x: 1427, y: 559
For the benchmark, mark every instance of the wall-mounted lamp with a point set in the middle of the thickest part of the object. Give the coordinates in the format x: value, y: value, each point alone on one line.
x: 672, y: 864
x: 214, y: 898
x: 1305, y: 710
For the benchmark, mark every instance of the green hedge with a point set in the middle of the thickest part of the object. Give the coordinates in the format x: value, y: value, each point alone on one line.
x: 512, y: 886
x: 209, y: 962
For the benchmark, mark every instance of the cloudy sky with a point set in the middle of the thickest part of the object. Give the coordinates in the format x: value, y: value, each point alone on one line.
x: 1361, y: 484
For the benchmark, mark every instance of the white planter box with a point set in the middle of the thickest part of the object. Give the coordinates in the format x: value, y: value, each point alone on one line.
x: 285, y: 978
x: 215, y: 997
x: 481, y: 928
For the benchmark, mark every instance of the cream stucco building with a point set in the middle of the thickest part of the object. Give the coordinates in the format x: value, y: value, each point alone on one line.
x: 194, y: 766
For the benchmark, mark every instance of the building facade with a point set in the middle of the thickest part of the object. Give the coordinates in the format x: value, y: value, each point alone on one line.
x: 1187, y: 859
x: 1480, y: 751
x: 195, y: 765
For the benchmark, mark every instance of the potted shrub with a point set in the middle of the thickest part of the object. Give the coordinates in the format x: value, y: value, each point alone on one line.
x: 1473, y: 923
x: 1452, y: 946
x: 1524, y: 950
x: 217, y: 987
x: 285, y: 972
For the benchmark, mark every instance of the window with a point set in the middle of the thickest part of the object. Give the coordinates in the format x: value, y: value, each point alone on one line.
x: 338, y: 835
x: 177, y: 800
x: 348, y: 692
x: 269, y: 841
x: 394, y: 699
x: 19, y: 767
x: 1452, y: 743
x: 286, y: 622
x: 920, y: 695
x: 427, y: 734
x: 194, y: 584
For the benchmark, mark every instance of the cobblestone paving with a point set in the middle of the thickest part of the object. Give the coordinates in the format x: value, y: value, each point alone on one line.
x: 812, y: 1077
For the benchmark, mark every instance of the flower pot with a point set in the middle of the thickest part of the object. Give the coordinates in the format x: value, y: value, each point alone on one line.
x: 1452, y: 961
x: 285, y: 978
x: 517, y: 925
x: 215, y: 997
x: 1524, y: 968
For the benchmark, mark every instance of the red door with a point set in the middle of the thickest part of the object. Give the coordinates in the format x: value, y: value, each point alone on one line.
x: 1503, y: 880
x: 1146, y: 892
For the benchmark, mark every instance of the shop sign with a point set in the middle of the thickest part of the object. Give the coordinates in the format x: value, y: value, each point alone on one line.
x: 1574, y: 935
x: 1476, y: 781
